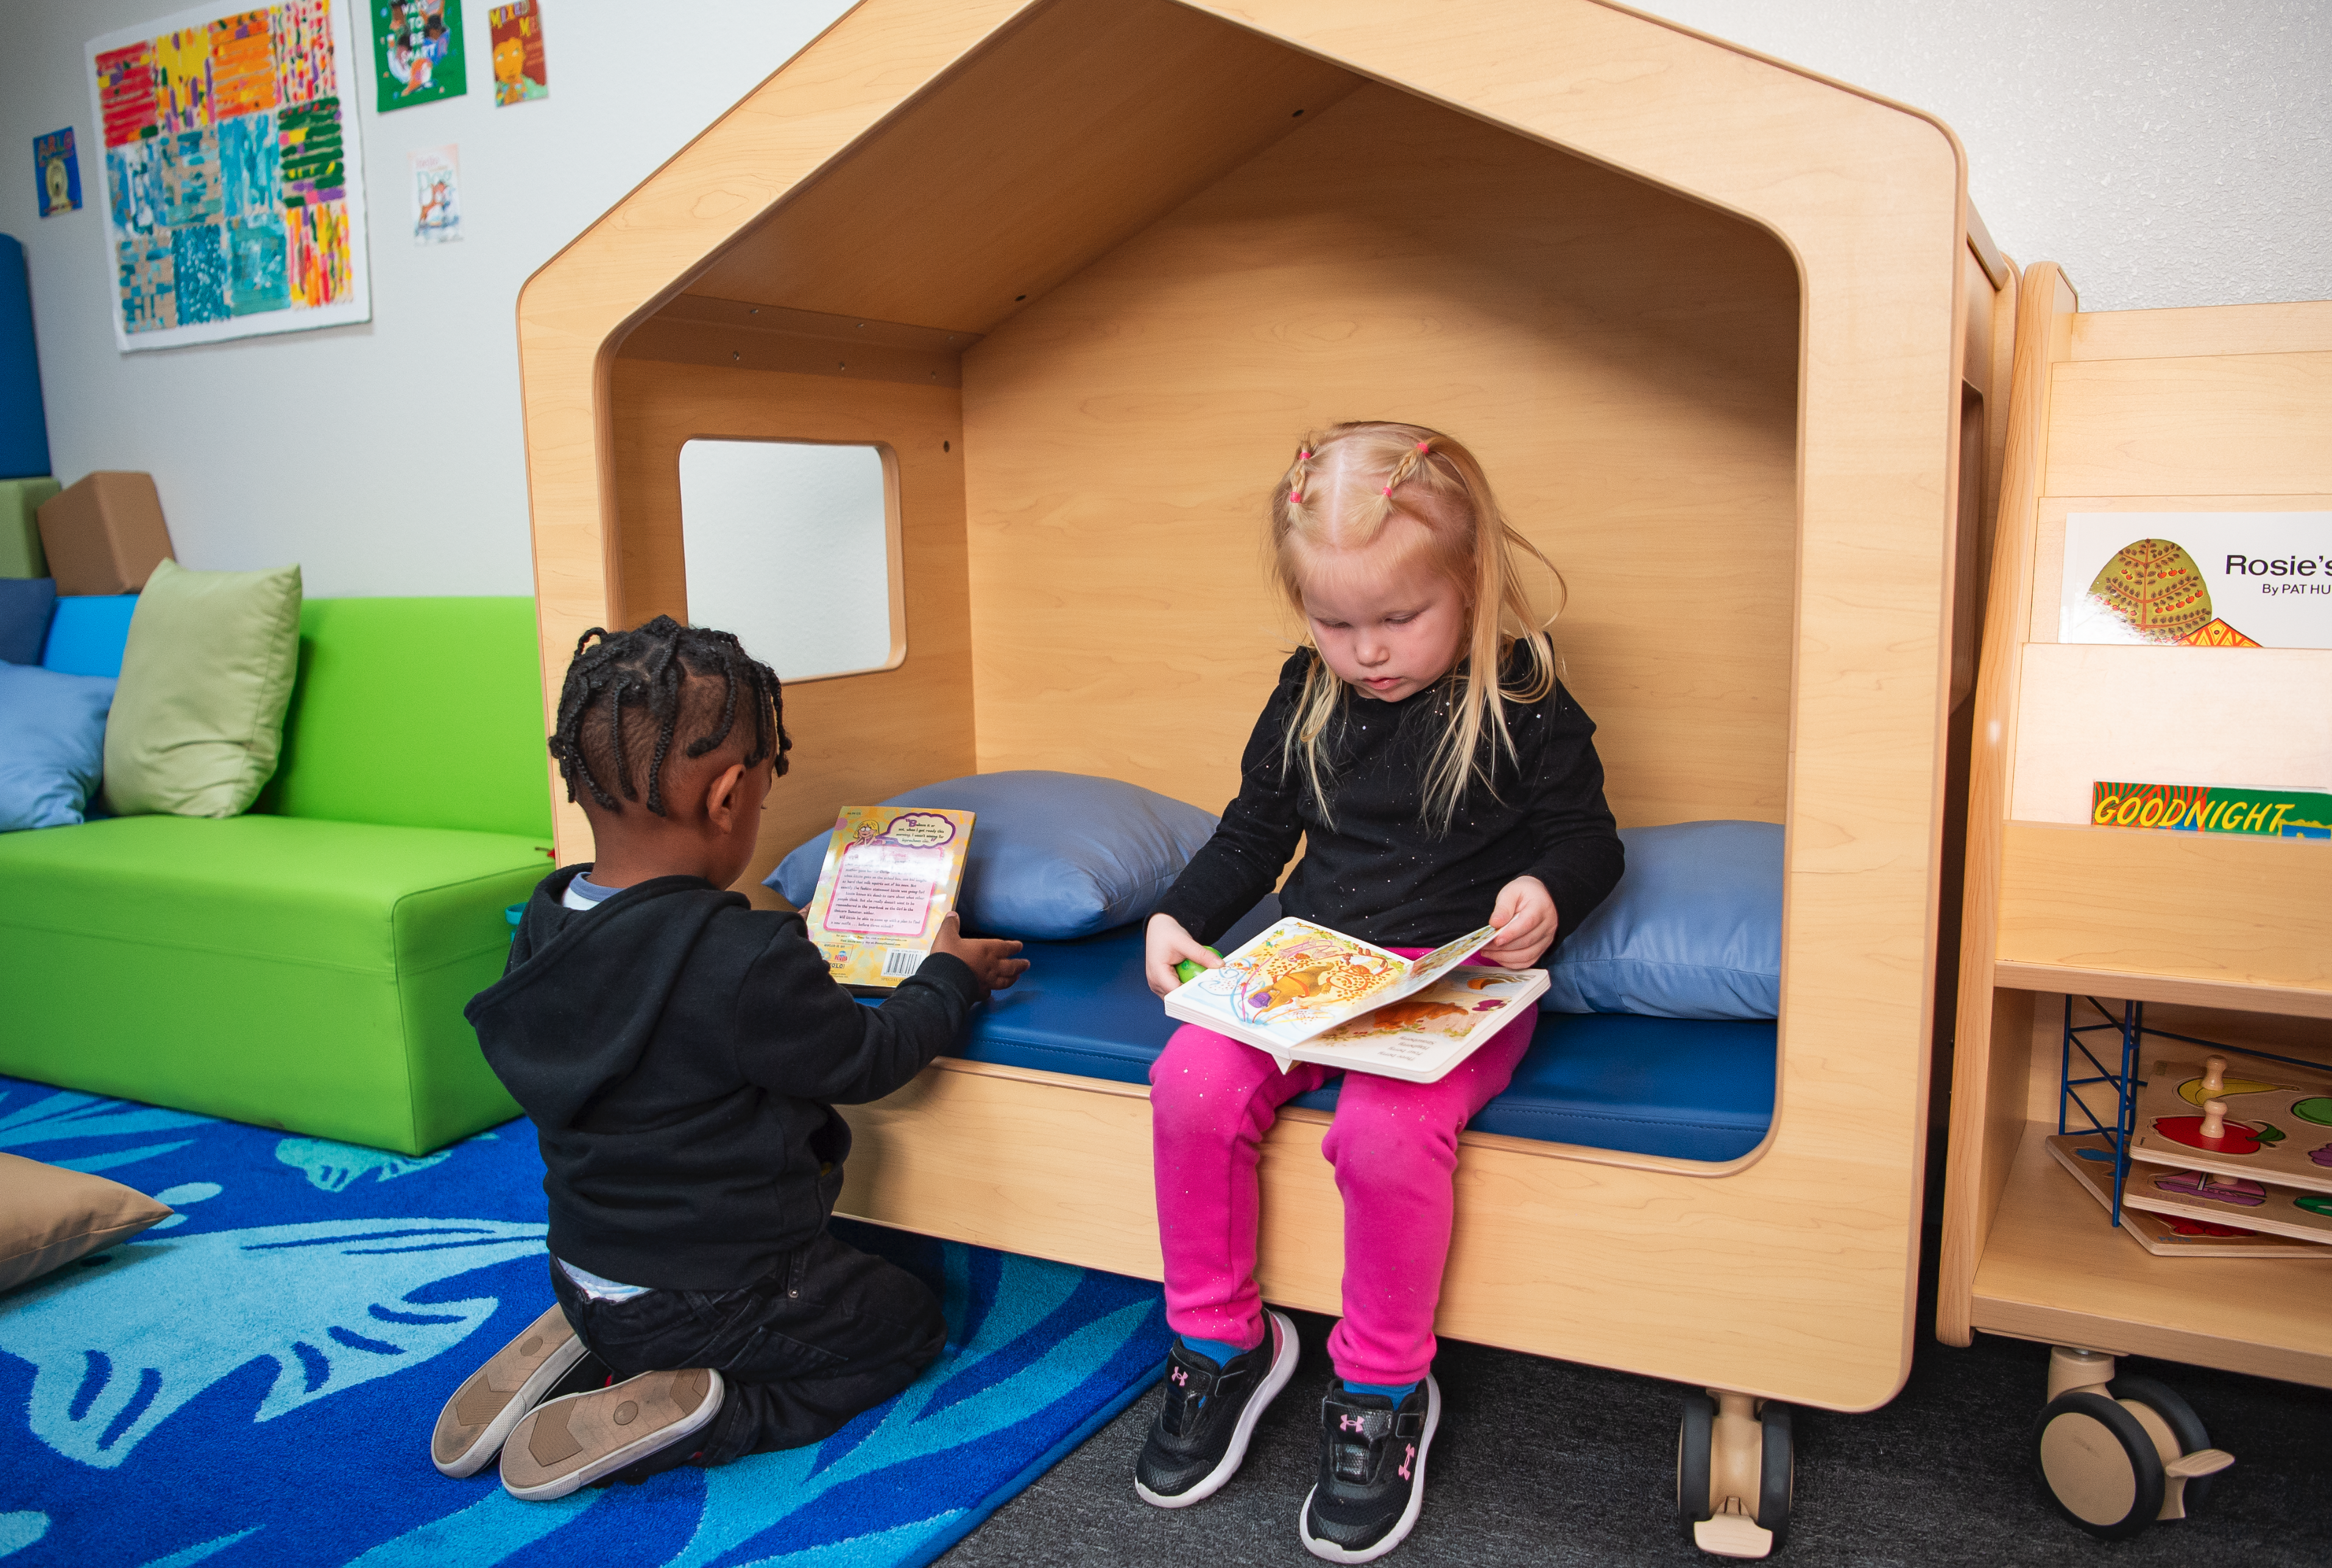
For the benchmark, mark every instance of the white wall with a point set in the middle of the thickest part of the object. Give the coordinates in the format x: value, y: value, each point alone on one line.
x: 2169, y: 152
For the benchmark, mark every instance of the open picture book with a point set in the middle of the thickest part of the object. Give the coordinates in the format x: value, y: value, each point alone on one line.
x: 1305, y: 993
x: 890, y: 877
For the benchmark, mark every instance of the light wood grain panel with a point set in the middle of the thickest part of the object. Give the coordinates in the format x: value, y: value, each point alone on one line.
x: 2138, y: 985
x: 1792, y: 1276
x: 2210, y: 424
x: 1554, y: 1253
x: 574, y: 310
x: 2205, y: 329
x: 2049, y: 551
x: 1983, y: 1077
x: 2199, y: 906
x: 857, y: 737
x: 2054, y: 1270
x: 2091, y: 712
x: 1116, y: 109
x: 1674, y: 329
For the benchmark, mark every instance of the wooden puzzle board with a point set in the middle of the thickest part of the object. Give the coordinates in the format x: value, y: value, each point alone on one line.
x: 2279, y: 1119
x: 2164, y: 1234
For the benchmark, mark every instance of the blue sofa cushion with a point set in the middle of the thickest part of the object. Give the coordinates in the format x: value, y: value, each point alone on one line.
x: 52, y: 745
x: 25, y: 606
x: 1692, y: 931
x: 87, y: 633
x: 1054, y: 855
x: 1690, y: 1089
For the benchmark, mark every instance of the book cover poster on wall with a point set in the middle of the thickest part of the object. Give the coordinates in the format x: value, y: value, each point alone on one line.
x: 520, y: 75
x: 416, y: 51
x: 56, y: 171
x: 234, y: 179
x: 436, y: 180
x: 2213, y: 580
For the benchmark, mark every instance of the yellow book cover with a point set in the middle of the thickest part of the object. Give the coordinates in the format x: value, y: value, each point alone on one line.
x: 890, y: 878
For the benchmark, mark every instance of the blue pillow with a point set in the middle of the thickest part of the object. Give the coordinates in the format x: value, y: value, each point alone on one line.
x: 25, y: 603
x: 52, y: 745
x: 87, y: 633
x: 1054, y: 855
x: 1692, y: 931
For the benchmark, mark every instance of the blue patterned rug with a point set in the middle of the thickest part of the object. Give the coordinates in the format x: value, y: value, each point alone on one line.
x: 255, y: 1380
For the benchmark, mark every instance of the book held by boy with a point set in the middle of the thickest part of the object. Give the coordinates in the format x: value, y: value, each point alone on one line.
x: 890, y: 877
x: 1305, y: 993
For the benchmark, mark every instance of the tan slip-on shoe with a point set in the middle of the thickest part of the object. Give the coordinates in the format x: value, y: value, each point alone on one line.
x: 476, y: 1420
x: 571, y: 1442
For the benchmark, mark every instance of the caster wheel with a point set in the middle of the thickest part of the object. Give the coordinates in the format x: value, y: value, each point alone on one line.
x: 2179, y: 1417
x: 2100, y: 1465
x: 1777, y: 1482
x: 1692, y: 1458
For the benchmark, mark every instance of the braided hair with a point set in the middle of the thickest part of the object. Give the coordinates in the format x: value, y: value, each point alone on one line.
x: 668, y: 669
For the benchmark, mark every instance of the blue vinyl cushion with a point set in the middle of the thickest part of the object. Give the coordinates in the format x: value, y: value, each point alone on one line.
x: 1054, y: 855
x: 25, y: 605
x: 87, y: 633
x: 52, y: 745
x: 1692, y: 931
x: 1691, y: 1089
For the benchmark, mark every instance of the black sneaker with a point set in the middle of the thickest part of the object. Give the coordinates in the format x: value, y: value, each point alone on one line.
x: 1200, y: 1433
x: 1371, y: 1483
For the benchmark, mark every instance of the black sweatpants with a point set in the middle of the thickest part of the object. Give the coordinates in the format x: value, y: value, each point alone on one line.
x: 829, y: 1332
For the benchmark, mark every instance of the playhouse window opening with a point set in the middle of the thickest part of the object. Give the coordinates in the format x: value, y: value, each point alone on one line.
x: 794, y: 547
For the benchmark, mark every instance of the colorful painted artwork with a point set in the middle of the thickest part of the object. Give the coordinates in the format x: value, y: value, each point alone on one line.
x: 416, y: 51
x: 2198, y: 580
x: 2212, y: 808
x: 436, y: 176
x: 520, y: 73
x: 56, y: 172
x: 234, y: 194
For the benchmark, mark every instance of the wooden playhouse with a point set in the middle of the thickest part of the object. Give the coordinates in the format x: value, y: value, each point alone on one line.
x: 1725, y: 334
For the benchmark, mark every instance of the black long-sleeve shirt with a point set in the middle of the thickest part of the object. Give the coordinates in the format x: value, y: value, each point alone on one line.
x: 1372, y: 867
x: 681, y: 1053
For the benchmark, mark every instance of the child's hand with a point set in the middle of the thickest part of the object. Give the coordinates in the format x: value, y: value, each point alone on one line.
x: 1167, y: 944
x: 991, y: 958
x: 1524, y: 916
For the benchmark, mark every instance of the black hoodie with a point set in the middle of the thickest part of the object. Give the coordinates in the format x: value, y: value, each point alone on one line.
x: 681, y: 1053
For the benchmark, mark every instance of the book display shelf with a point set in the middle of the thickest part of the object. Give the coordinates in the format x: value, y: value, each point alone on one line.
x: 2111, y: 967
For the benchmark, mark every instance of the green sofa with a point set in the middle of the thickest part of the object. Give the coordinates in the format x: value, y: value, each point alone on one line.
x: 305, y: 966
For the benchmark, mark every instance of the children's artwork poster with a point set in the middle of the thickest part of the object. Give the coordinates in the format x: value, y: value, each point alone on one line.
x: 416, y: 51
x: 234, y: 178
x: 436, y: 193
x: 2212, y: 808
x: 56, y: 169
x: 520, y: 73
x: 2210, y: 580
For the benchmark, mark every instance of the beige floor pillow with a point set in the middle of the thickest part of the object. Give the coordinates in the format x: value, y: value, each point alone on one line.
x: 49, y: 1216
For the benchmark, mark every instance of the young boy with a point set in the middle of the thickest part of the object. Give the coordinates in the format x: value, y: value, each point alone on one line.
x: 681, y: 1054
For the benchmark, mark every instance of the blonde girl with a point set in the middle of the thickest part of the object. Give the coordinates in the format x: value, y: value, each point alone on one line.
x: 1440, y: 779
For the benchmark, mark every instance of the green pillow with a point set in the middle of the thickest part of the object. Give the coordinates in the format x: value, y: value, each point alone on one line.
x: 199, y: 717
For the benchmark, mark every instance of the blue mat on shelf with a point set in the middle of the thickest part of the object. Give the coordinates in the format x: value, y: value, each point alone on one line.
x: 254, y: 1381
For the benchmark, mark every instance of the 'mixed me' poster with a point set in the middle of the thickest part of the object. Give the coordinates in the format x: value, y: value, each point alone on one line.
x: 2217, y: 579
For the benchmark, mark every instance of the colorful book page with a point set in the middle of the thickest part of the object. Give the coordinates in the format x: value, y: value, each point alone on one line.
x: 520, y: 75
x: 416, y: 52
x: 2212, y: 808
x: 890, y: 877
x: 2198, y: 580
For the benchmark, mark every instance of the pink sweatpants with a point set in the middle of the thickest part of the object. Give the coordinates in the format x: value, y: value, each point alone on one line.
x: 1394, y: 1147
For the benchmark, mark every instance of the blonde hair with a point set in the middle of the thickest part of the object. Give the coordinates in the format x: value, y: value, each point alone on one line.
x: 1381, y: 471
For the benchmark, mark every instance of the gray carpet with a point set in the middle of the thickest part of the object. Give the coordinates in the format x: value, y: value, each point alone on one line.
x: 1543, y: 1462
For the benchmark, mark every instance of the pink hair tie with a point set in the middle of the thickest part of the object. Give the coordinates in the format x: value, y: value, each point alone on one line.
x: 1295, y: 497
x: 1388, y: 490
x: 1425, y: 447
